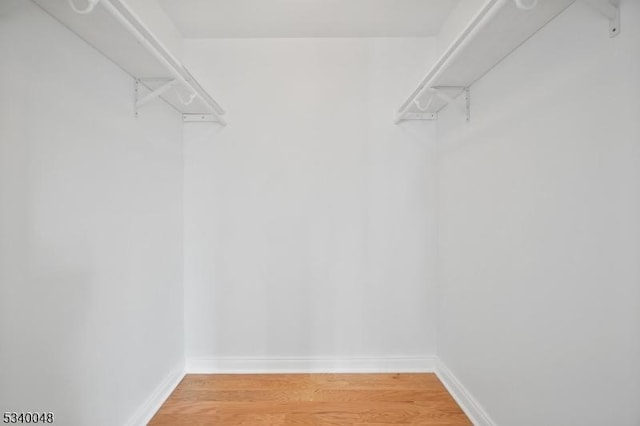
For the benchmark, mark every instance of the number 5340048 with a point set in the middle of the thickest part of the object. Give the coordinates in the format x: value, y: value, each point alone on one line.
x: 27, y: 417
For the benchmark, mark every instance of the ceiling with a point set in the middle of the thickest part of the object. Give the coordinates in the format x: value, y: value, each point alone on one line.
x: 308, y: 18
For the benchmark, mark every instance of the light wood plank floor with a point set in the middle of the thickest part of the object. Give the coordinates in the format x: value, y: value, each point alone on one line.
x: 310, y: 399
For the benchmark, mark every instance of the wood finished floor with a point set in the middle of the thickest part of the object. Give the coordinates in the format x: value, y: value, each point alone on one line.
x: 310, y: 399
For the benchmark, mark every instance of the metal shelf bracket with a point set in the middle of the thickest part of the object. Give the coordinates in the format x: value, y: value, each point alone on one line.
x: 610, y: 9
x: 202, y: 118
x: 164, y: 85
x: 415, y: 116
x: 141, y: 101
x: 419, y: 116
x: 462, y: 102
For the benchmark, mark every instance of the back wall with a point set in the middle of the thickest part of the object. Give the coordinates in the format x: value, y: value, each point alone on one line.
x: 309, y: 219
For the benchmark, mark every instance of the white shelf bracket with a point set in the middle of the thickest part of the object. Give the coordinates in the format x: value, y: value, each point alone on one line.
x: 462, y: 102
x: 467, y: 101
x: 418, y: 116
x: 422, y: 115
x: 610, y: 9
x: 136, y: 90
x: 141, y: 101
x: 203, y: 118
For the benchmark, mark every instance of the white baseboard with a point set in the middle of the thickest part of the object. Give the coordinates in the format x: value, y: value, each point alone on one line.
x: 153, y: 403
x: 463, y: 397
x: 241, y: 365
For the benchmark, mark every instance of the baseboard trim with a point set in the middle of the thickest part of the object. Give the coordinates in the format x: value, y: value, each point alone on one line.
x: 463, y: 397
x: 241, y: 365
x: 153, y: 403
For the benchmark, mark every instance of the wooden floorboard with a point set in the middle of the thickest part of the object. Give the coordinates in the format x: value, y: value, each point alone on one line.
x: 310, y: 399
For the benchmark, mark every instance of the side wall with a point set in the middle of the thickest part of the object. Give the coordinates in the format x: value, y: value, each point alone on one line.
x: 539, y: 231
x: 309, y: 220
x: 91, y: 310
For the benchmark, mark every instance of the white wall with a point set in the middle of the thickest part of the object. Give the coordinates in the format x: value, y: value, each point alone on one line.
x: 91, y: 313
x: 539, y: 231
x: 309, y: 219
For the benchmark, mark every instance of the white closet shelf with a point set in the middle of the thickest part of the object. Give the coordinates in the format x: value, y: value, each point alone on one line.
x: 498, y: 28
x: 118, y: 33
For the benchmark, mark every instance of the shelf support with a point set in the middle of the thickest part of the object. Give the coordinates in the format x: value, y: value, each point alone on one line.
x: 462, y: 102
x: 610, y: 9
x: 164, y: 87
x: 153, y: 94
x: 416, y: 116
x: 203, y: 118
